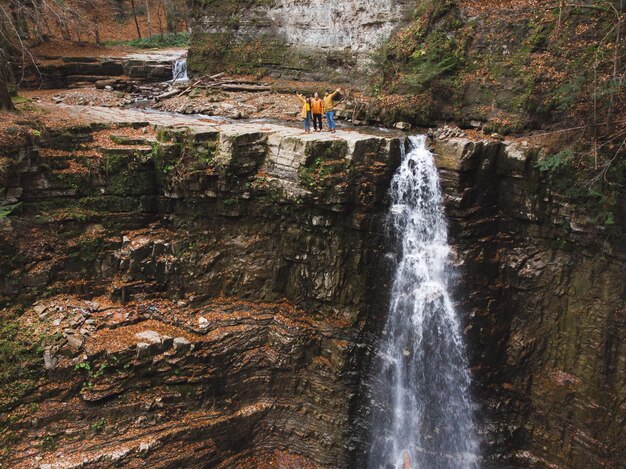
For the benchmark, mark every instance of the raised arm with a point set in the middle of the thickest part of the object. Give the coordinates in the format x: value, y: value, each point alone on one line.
x: 301, y: 98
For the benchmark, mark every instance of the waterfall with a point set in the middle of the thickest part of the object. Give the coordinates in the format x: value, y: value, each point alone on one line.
x: 421, y: 414
x: 179, y: 71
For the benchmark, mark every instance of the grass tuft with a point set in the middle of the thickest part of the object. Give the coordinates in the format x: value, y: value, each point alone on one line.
x: 156, y: 42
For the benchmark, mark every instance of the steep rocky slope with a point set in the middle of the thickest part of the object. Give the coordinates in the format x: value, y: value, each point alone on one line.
x: 292, y: 38
x: 208, y: 295
x: 198, y: 295
x: 178, y: 292
x: 538, y: 228
x: 541, y: 281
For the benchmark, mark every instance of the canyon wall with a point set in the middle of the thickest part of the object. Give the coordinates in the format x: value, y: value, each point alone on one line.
x: 211, y: 298
x: 189, y: 297
x: 540, y: 277
x: 319, y: 39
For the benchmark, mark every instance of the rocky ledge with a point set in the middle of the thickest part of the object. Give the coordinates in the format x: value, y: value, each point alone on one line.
x: 118, y: 71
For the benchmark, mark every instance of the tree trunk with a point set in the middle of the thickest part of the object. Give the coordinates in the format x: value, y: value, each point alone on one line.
x: 170, y: 16
x: 96, y: 30
x: 6, y: 104
x: 6, y: 54
x: 65, y: 30
x: 132, y: 3
x: 148, y: 18
x: 560, y: 20
x: 159, y: 18
x: 617, y: 66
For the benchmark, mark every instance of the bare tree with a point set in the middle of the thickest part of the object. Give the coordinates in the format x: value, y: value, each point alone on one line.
x: 148, y: 18
x: 6, y: 55
x: 170, y: 15
x: 159, y: 17
x: 132, y: 3
x: 560, y: 20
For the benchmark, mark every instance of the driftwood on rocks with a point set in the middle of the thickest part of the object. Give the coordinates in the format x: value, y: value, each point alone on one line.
x: 243, y: 87
x: 168, y: 94
x: 177, y: 92
x: 189, y: 88
x: 213, y: 82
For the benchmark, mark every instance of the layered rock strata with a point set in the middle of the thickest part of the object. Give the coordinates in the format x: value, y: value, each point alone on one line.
x: 208, y: 295
x: 293, y: 38
x: 541, y: 279
x: 200, y: 293
x: 76, y: 72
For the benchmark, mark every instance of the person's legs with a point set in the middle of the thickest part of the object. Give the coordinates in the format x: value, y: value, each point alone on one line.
x: 317, y: 119
x: 330, y: 117
x: 307, y: 123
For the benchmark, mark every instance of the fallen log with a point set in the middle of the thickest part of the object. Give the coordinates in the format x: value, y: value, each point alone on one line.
x: 252, y: 88
x: 188, y: 89
x: 168, y: 94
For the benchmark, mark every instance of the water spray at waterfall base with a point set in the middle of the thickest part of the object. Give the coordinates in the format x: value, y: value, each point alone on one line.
x: 422, y: 413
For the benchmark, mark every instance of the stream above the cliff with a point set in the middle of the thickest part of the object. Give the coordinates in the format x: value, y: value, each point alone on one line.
x: 422, y: 413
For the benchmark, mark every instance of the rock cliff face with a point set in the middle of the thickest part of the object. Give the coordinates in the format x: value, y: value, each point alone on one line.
x: 208, y: 296
x: 201, y: 295
x: 293, y: 38
x: 541, y: 281
x: 77, y: 72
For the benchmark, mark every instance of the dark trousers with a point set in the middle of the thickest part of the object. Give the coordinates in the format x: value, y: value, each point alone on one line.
x: 317, y: 119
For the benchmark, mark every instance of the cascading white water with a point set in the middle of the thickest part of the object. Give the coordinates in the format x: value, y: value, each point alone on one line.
x: 422, y: 413
x: 179, y: 71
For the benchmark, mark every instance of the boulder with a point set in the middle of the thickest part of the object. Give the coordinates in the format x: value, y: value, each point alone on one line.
x: 74, y: 341
x: 181, y: 345
x: 50, y: 362
x: 151, y: 337
x: 403, y: 126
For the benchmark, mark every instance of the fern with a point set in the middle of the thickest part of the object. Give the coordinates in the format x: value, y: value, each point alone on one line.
x: 556, y: 161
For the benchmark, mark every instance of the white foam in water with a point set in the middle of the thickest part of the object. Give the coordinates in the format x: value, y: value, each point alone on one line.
x: 179, y: 71
x: 421, y: 406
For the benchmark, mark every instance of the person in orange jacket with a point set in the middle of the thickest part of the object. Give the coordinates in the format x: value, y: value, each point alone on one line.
x: 317, y: 108
x: 329, y: 107
x: 306, y: 112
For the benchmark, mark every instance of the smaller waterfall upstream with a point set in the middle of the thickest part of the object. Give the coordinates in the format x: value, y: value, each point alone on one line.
x: 422, y: 414
x: 179, y: 71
